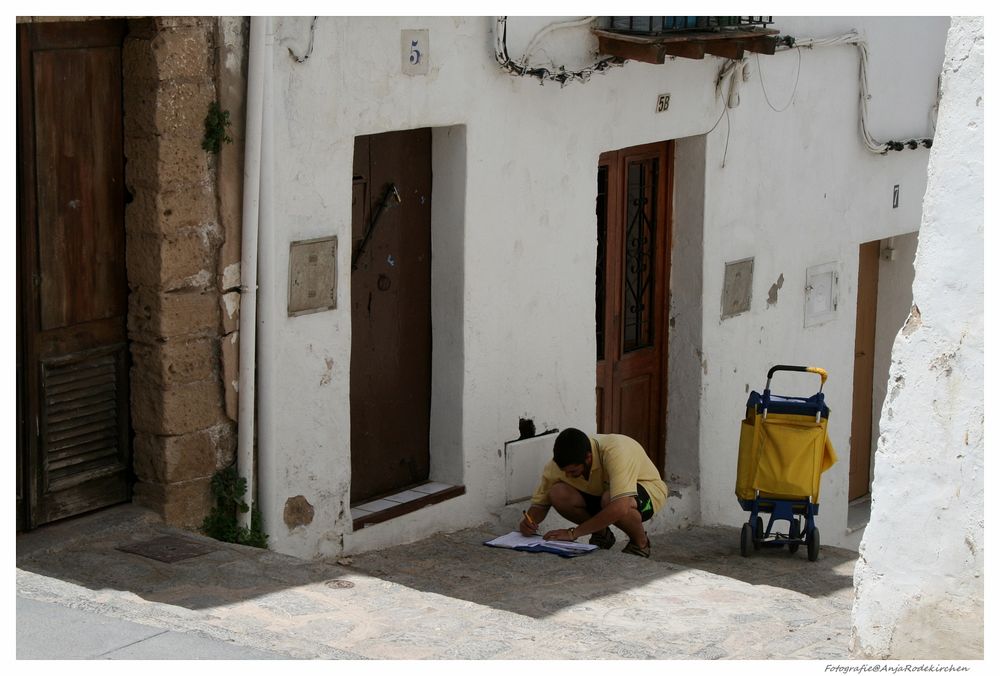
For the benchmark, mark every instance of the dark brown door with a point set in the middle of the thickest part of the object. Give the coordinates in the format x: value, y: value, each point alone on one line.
x: 391, y: 313
x: 859, y: 484
x: 72, y: 290
x: 633, y: 221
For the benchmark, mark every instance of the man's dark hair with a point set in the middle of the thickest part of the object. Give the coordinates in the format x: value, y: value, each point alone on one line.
x: 571, y: 447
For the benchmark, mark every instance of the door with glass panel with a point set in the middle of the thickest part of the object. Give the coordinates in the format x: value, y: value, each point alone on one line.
x: 633, y: 244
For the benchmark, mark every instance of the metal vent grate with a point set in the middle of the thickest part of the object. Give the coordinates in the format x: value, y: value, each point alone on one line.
x: 79, y: 427
x: 168, y: 548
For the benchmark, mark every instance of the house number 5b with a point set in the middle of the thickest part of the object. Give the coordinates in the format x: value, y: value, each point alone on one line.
x: 416, y: 51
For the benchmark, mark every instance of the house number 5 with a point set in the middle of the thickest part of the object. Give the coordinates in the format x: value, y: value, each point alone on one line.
x: 416, y: 46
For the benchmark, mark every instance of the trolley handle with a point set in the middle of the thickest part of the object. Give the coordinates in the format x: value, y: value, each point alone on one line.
x: 803, y: 369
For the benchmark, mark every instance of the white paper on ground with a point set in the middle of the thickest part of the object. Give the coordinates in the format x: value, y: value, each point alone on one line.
x: 514, y: 539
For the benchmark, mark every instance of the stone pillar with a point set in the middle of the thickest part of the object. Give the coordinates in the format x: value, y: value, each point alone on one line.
x: 173, y: 239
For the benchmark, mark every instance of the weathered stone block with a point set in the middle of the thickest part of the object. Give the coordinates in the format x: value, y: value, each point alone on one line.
x: 155, y: 315
x: 180, y: 260
x: 231, y: 373
x: 138, y: 60
x: 184, y: 52
x: 169, y: 211
x: 231, y: 250
x: 159, y: 459
x: 230, y: 311
x: 173, y: 162
x: 168, y: 22
x: 183, y: 504
x: 224, y: 440
x: 175, y: 362
x: 139, y: 91
x: 180, y: 108
x: 182, y: 409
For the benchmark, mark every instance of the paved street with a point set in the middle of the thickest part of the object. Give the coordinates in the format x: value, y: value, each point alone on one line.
x: 445, y: 597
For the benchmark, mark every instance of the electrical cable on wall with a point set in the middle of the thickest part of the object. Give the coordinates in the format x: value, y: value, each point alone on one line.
x: 548, y: 29
x: 309, y: 49
x: 728, y: 83
x: 879, y: 147
x: 557, y: 74
x: 795, y: 85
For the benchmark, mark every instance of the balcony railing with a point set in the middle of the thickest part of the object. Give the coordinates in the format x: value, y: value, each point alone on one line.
x: 652, y: 39
x: 658, y: 25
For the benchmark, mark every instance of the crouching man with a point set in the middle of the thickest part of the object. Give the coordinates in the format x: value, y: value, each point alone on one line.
x: 597, y: 482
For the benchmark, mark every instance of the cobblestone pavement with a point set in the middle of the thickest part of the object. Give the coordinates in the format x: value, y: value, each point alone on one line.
x: 449, y: 597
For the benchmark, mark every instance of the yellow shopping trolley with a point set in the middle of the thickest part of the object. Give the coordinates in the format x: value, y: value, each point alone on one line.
x: 783, y: 451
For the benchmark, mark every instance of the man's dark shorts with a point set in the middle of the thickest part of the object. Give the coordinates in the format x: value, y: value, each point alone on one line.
x: 593, y: 503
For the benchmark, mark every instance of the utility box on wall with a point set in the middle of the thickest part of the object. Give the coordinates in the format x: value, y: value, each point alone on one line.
x: 312, y: 276
x: 737, y: 287
x: 822, y: 282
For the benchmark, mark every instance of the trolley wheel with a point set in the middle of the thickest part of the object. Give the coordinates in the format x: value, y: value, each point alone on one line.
x: 793, y: 534
x: 746, y: 540
x: 758, y: 539
x: 812, y: 543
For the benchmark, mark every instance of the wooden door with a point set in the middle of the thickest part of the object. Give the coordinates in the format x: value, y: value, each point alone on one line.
x: 859, y: 481
x: 72, y: 292
x: 391, y: 314
x: 633, y: 221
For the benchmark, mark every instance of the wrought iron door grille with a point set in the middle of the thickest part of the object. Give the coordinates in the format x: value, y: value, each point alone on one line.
x: 640, y: 244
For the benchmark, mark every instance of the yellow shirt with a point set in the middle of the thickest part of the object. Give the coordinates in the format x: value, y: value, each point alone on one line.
x: 619, y: 463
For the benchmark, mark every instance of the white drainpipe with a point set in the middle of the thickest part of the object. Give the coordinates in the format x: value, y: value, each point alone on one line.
x: 257, y: 73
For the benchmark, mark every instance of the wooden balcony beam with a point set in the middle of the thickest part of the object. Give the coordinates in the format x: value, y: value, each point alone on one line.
x: 762, y: 45
x: 689, y: 50
x: 634, y: 51
x: 729, y: 49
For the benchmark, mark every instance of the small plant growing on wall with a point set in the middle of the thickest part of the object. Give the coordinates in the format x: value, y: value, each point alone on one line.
x: 228, y: 489
x: 217, y: 124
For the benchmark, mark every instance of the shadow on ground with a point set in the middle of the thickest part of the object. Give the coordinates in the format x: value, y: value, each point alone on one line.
x: 716, y: 550
x: 537, y: 584
x: 87, y: 552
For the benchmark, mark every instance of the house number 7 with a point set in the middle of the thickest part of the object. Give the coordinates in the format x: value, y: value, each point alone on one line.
x: 414, y: 52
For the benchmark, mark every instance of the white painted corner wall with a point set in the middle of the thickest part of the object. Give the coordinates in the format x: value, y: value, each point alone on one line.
x: 919, y: 580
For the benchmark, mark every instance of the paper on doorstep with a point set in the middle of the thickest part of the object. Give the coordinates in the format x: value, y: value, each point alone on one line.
x: 535, y: 543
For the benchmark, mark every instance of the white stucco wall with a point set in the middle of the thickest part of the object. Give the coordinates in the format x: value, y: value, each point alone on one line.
x: 919, y: 579
x: 516, y: 214
x: 798, y: 190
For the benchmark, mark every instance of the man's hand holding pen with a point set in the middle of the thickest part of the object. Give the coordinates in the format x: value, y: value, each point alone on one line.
x: 528, y: 525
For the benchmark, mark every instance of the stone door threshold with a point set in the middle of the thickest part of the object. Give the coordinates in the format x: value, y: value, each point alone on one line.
x: 403, y: 502
x: 858, y: 513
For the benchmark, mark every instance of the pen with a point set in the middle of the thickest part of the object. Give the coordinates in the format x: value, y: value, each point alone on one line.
x: 530, y: 521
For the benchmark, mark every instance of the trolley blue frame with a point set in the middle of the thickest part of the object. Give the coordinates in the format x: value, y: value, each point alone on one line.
x: 784, y: 509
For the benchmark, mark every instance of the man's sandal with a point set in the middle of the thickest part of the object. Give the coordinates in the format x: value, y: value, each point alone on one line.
x: 605, y: 541
x: 633, y: 548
